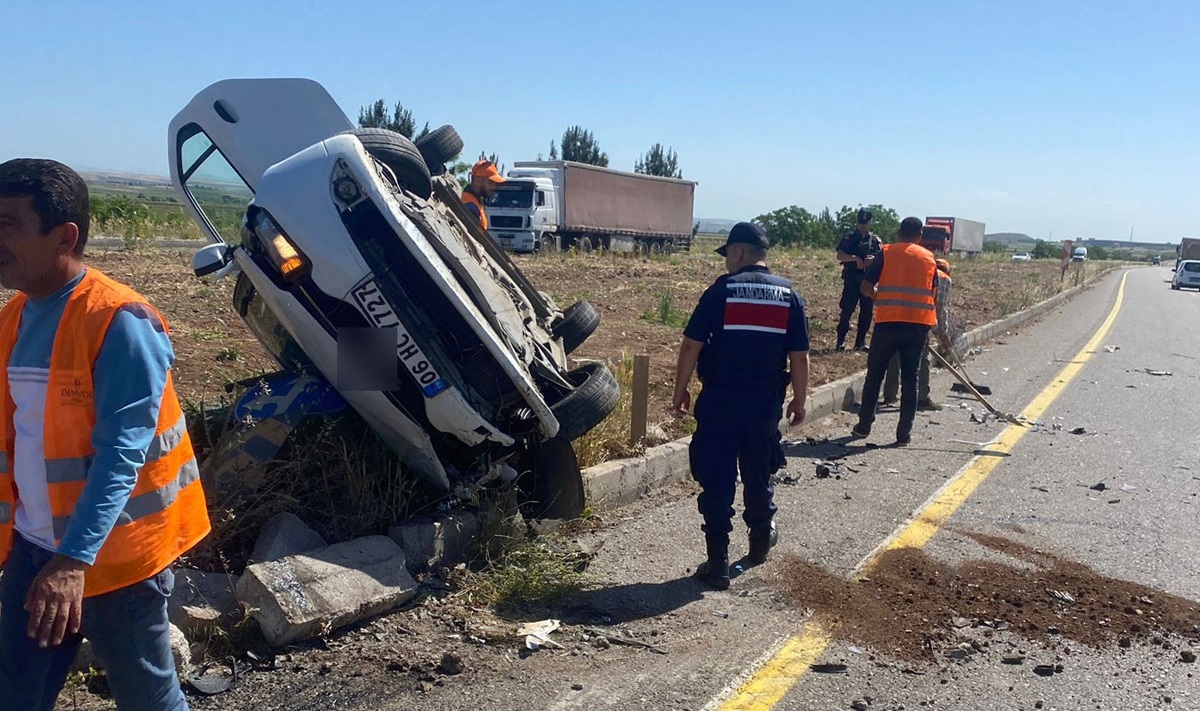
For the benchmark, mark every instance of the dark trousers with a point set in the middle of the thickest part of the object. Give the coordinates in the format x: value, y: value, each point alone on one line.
x: 852, y: 298
x: 907, y: 340
x: 735, y: 435
x: 891, y: 383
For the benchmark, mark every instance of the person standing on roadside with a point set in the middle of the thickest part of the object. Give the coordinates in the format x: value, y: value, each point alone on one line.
x: 484, y: 179
x: 855, y: 253
x: 99, y: 487
x: 903, y: 283
x: 891, y: 383
x: 747, y: 340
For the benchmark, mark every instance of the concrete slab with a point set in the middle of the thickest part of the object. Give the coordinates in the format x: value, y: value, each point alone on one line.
x: 310, y: 594
x: 284, y: 534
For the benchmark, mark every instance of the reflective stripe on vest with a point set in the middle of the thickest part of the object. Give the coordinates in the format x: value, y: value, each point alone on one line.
x: 147, y: 504
x: 905, y: 292
x: 63, y: 471
x: 473, y: 199
x: 166, y: 513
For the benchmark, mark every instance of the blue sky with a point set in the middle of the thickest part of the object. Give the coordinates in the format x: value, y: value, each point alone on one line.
x: 1072, y: 118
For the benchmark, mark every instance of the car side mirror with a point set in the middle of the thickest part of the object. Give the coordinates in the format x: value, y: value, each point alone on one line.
x: 214, y: 259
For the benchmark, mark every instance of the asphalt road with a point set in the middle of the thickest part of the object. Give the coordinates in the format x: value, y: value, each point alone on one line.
x: 1039, y: 487
x: 1138, y: 441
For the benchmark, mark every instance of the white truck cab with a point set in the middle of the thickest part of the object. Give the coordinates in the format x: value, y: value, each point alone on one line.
x: 524, y: 212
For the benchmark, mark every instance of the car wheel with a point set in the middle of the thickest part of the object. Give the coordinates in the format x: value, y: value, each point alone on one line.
x: 400, y: 154
x: 579, y: 320
x: 595, y: 396
x: 551, y: 484
x: 1175, y: 287
x: 439, y: 146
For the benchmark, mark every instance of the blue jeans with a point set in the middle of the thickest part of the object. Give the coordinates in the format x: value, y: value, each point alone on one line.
x: 128, y: 630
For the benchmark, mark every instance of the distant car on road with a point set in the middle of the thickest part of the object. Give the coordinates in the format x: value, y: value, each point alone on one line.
x: 1187, y: 275
x: 1157, y: 260
x: 1080, y: 254
x: 1022, y: 257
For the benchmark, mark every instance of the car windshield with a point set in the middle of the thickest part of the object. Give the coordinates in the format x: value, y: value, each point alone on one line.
x: 212, y: 184
x: 1191, y: 266
x: 513, y: 195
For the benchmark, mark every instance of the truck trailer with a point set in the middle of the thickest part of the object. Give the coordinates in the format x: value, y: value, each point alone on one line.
x: 966, y: 236
x: 563, y: 204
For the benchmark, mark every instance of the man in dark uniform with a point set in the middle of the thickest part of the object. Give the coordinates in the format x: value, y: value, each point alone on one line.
x: 855, y: 253
x: 748, y: 328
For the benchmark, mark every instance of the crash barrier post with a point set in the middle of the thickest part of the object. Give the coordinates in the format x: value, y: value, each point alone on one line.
x: 641, y: 398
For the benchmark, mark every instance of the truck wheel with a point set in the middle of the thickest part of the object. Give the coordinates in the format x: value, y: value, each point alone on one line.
x: 550, y: 484
x: 584, y: 244
x: 595, y: 396
x: 579, y: 320
x: 439, y: 146
x: 668, y: 248
x: 398, y: 153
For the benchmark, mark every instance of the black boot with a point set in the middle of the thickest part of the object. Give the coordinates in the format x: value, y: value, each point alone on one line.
x: 762, y: 540
x: 714, y: 572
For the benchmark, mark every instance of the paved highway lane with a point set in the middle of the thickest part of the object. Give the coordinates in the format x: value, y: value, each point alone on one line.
x: 1120, y: 498
x: 971, y: 601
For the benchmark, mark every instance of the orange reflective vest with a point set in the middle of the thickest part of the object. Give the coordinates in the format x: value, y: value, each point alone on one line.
x: 166, y: 514
x: 470, y: 198
x: 905, y: 292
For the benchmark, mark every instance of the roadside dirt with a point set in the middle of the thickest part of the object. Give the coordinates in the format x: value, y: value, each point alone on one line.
x: 644, y: 304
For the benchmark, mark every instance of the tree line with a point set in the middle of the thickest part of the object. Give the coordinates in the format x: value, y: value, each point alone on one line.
x: 576, y: 144
x: 794, y: 226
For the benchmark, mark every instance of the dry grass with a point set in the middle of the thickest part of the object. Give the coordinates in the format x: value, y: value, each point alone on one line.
x: 610, y: 439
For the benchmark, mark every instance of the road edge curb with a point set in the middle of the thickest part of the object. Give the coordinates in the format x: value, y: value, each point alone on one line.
x: 619, y: 482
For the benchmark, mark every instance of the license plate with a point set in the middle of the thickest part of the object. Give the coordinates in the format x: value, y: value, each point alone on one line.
x: 375, y: 307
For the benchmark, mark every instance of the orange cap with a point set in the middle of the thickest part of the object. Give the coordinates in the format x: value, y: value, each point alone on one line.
x: 486, y: 169
x: 943, y: 265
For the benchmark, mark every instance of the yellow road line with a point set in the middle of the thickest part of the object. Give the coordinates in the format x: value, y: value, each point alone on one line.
x: 768, y: 685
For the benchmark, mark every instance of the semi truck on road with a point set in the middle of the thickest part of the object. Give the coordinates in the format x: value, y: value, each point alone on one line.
x: 1189, y: 248
x: 966, y: 236
x: 563, y: 205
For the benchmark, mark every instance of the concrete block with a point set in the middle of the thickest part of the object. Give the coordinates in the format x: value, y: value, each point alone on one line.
x: 422, y: 542
x: 460, y: 533
x: 201, y: 601
x: 313, y: 593
x: 283, y: 535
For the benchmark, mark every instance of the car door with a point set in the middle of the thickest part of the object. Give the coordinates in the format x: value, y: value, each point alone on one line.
x: 231, y: 132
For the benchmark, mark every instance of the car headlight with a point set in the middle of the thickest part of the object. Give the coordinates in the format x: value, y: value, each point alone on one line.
x: 291, y: 264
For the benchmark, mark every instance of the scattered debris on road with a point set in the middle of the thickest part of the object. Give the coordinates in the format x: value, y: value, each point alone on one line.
x: 1079, y: 431
x: 829, y: 668
x: 912, y: 606
x: 1151, y: 371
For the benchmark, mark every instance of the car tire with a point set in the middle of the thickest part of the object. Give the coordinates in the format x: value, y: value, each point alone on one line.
x: 397, y: 152
x: 1175, y: 287
x: 550, y: 484
x: 594, y: 398
x: 439, y: 146
x: 579, y: 320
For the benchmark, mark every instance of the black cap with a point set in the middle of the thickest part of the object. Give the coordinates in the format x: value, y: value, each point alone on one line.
x: 864, y: 215
x: 745, y: 233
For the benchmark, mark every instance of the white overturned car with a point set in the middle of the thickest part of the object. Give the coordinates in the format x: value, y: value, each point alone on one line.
x: 356, y: 234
